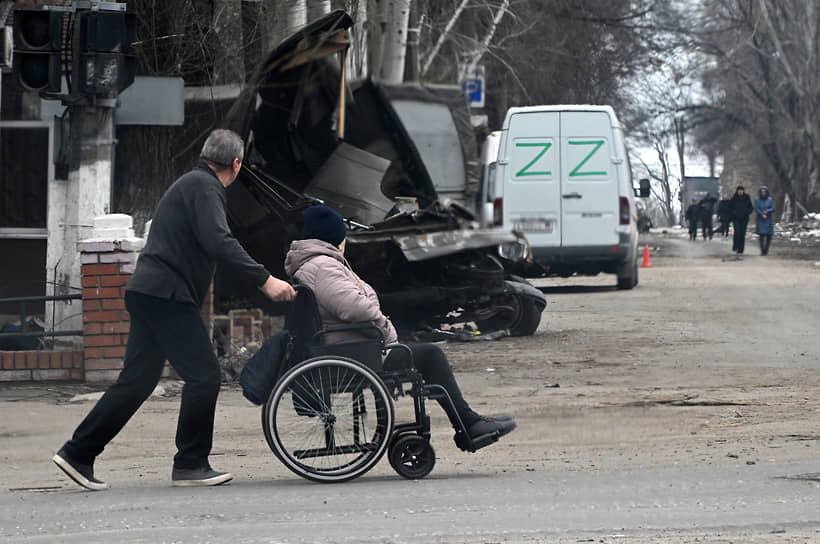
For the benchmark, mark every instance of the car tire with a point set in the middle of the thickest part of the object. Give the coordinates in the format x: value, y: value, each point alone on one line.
x: 628, y: 275
x: 523, y: 320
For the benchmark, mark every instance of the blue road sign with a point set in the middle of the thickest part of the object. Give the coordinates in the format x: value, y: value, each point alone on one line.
x: 474, y: 87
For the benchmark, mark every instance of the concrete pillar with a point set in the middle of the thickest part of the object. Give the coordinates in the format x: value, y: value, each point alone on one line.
x: 73, y: 205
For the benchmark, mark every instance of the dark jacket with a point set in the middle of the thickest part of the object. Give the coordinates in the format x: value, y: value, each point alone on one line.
x: 189, y: 235
x: 741, y: 207
x: 707, y: 205
x: 724, y: 211
x: 693, y: 214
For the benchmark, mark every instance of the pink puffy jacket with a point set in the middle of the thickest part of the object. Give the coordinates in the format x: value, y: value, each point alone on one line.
x: 341, y: 295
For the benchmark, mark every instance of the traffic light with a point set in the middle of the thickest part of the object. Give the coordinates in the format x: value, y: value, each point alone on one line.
x: 104, y: 65
x: 38, y: 41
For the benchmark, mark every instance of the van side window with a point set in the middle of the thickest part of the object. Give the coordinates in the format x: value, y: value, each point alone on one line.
x: 532, y: 157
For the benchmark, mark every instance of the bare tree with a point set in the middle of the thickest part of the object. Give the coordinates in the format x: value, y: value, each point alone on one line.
x: 662, y: 191
x: 357, y: 65
x: 227, y: 41
x: 317, y: 8
x: 389, y: 41
x: 767, y: 68
x: 290, y: 16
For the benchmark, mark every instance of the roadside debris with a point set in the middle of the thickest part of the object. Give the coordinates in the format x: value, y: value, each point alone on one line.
x: 807, y: 228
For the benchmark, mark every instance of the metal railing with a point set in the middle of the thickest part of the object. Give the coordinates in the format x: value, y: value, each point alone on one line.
x: 22, y: 333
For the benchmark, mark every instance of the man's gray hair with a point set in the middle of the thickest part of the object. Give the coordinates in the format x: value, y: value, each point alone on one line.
x: 222, y: 147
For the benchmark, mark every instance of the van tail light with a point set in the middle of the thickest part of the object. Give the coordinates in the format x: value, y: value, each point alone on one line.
x: 624, y: 211
x: 498, y: 212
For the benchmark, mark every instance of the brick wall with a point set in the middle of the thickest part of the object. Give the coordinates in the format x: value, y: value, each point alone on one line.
x: 106, y: 268
x: 23, y: 366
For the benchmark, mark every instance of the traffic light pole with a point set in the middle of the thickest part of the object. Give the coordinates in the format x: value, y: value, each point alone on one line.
x: 102, y: 66
x: 85, y: 195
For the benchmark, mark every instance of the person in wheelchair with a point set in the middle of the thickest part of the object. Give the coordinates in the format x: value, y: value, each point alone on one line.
x: 317, y: 261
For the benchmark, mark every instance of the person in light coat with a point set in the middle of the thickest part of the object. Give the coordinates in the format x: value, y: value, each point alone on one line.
x: 764, y: 209
x: 317, y: 261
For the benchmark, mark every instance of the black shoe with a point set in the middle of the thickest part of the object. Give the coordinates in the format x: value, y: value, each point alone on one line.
x: 498, y: 426
x: 199, y: 477
x: 80, y: 473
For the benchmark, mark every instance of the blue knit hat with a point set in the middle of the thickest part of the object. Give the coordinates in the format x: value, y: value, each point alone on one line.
x: 322, y: 223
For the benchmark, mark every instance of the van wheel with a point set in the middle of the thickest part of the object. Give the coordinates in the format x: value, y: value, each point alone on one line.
x: 628, y: 275
x: 520, y: 316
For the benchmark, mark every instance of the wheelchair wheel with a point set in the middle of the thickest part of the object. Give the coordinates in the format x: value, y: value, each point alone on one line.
x: 412, y: 456
x: 329, y: 419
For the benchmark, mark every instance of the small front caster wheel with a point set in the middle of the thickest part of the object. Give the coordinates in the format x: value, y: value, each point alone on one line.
x: 412, y: 457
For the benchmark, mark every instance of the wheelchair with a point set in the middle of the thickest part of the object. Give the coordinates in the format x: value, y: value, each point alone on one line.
x: 330, y: 416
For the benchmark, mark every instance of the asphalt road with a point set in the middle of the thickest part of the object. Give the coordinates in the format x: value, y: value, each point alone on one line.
x: 637, y: 505
x: 685, y: 410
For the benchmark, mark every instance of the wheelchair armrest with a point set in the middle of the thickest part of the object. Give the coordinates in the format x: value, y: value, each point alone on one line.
x: 410, y: 363
x: 343, y: 327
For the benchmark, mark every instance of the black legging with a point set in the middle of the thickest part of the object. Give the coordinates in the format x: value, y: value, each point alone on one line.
x: 434, y: 367
x: 739, y: 240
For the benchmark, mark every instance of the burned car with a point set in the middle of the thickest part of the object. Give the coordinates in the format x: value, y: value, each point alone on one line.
x: 398, y: 164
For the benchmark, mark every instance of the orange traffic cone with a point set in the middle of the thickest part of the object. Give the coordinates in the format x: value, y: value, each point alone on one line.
x: 646, y: 263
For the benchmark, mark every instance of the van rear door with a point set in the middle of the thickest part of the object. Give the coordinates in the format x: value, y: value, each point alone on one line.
x: 530, y: 171
x: 589, y: 181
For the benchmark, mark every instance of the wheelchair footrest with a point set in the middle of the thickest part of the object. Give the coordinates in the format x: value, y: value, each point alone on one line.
x: 465, y: 443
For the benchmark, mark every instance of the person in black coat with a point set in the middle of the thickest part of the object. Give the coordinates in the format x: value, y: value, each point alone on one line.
x: 707, y: 206
x: 725, y: 215
x: 188, y: 237
x: 741, y: 207
x: 692, y: 218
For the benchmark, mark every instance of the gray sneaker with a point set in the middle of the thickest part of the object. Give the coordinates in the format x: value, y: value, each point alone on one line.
x: 80, y: 473
x: 199, y: 477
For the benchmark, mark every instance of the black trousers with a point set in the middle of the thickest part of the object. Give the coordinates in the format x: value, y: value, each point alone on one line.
x: 434, y: 367
x: 706, y: 224
x: 724, y: 226
x: 160, y: 329
x: 739, y: 240
x: 693, y: 230
x: 765, y: 242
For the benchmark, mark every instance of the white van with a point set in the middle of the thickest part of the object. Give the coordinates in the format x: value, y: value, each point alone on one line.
x: 487, y: 193
x: 562, y: 177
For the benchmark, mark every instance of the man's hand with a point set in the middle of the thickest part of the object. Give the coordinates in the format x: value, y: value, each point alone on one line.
x: 277, y: 290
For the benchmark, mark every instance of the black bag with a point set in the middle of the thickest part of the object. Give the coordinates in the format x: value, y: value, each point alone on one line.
x: 263, y: 369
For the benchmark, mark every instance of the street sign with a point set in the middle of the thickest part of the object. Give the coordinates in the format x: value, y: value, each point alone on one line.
x: 149, y: 101
x: 473, y: 85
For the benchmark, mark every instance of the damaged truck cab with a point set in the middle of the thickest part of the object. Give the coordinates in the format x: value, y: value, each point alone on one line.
x: 398, y: 163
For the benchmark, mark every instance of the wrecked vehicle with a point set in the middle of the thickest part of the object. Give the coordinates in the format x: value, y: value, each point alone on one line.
x: 314, y: 138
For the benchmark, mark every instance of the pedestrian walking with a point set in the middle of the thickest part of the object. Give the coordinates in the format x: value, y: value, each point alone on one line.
x: 692, y: 216
x: 764, y: 208
x: 724, y: 213
x: 707, y: 207
x: 741, y: 207
x: 189, y: 235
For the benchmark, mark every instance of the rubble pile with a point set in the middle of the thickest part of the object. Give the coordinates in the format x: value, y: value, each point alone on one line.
x: 807, y: 228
